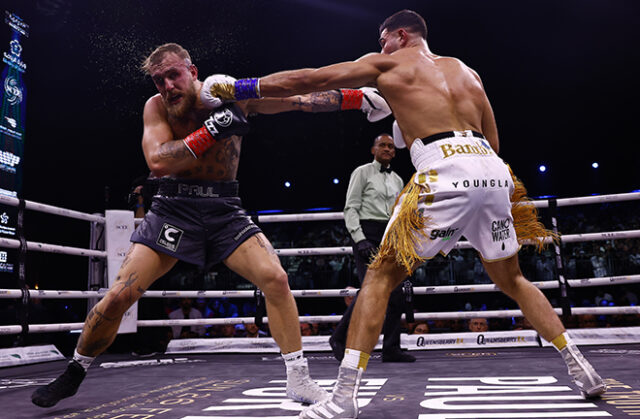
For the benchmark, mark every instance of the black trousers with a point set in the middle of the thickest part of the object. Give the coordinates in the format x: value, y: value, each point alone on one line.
x: 373, y: 231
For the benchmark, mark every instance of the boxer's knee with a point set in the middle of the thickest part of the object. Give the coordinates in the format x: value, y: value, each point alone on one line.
x: 275, y: 284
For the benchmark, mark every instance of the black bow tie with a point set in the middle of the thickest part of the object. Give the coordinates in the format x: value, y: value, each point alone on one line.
x: 382, y: 169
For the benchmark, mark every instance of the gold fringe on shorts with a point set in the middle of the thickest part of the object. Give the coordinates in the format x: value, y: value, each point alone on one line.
x: 525, y: 218
x: 408, y: 229
x: 406, y: 232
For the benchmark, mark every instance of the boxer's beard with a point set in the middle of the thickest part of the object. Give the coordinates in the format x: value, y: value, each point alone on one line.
x: 181, y: 109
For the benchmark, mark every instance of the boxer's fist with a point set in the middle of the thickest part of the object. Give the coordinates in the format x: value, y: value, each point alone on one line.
x: 208, y: 100
x: 224, y: 122
x: 368, y: 100
x: 374, y: 105
x: 227, y: 88
x: 227, y: 121
x: 398, y: 138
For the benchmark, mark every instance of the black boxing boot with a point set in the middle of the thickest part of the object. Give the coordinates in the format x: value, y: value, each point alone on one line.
x: 66, y: 385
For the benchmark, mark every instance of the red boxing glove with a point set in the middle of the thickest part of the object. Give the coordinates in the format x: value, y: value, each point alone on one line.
x: 351, y: 99
x: 199, y: 141
x: 224, y: 122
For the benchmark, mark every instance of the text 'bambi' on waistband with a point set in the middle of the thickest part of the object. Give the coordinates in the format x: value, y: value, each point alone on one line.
x: 450, y: 134
x: 189, y: 188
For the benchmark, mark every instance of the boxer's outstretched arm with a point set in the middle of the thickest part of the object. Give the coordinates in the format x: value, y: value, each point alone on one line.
x: 329, y: 101
x: 363, y: 72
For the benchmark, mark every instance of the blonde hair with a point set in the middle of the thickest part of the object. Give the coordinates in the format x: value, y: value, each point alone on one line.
x: 158, y: 54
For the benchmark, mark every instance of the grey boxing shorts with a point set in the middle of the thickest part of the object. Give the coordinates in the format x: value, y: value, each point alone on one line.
x: 195, y: 221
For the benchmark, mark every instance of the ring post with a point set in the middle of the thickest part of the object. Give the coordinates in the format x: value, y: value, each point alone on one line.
x: 118, y: 230
x: 562, y: 281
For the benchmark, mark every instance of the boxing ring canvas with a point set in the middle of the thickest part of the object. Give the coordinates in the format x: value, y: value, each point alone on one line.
x: 442, y: 384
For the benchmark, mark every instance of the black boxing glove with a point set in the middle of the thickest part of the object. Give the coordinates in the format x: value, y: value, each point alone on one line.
x: 224, y: 122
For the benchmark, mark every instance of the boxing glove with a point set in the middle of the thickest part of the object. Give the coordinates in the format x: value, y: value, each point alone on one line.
x: 228, y: 88
x: 224, y: 122
x: 398, y: 138
x: 366, y: 99
x: 208, y: 100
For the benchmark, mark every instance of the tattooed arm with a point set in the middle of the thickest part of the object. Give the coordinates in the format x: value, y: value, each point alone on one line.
x: 163, y: 154
x: 328, y: 101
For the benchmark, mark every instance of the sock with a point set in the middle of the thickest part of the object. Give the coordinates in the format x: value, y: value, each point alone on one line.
x: 84, y: 361
x: 293, y: 358
x: 561, y: 341
x: 355, y: 359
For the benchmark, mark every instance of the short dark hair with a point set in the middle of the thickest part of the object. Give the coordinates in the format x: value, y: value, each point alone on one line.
x: 158, y: 54
x: 407, y: 19
x: 375, y: 140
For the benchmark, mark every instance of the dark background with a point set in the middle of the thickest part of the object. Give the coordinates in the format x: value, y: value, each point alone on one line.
x: 561, y: 75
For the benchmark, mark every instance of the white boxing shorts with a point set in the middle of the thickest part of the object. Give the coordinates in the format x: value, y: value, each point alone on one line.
x: 465, y: 190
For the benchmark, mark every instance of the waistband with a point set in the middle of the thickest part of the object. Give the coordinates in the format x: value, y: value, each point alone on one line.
x: 423, y: 155
x: 449, y: 134
x: 190, y: 188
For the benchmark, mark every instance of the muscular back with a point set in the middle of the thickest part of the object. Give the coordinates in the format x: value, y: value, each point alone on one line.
x: 431, y: 94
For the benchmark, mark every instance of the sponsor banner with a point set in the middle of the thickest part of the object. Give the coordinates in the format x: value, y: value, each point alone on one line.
x: 12, y: 127
x: 602, y: 336
x: 516, y: 338
x: 10, y: 357
x: 506, y: 339
x: 119, y: 226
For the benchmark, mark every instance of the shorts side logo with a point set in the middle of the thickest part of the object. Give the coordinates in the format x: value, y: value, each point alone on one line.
x: 169, y: 237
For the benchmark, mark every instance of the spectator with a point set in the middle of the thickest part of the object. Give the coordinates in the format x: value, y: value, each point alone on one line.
x: 544, y: 268
x: 306, y: 329
x: 186, y: 311
x: 421, y: 328
x: 226, y: 331
x: 478, y: 324
x: 251, y: 330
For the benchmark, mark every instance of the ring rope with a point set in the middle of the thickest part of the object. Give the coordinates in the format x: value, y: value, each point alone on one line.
x: 52, y: 248
x: 63, y: 327
x: 309, y: 251
x: 562, y: 202
x: 441, y: 289
x: 50, y: 209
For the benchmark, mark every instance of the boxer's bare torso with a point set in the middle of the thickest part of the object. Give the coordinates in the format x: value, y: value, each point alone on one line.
x: 430, y: 94
x: 218, y: 163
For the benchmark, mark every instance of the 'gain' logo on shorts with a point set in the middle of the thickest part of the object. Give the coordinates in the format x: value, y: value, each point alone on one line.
x: 442, y: 234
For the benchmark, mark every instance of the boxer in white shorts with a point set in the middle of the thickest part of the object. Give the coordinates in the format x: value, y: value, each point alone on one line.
x: 430, y: 95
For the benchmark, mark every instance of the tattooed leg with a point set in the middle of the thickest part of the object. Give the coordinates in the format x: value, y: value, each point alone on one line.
x: 139, y: 269
x: 256, y: 260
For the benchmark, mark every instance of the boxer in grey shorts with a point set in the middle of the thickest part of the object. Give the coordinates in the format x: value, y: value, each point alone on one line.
x: 192, y: 141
